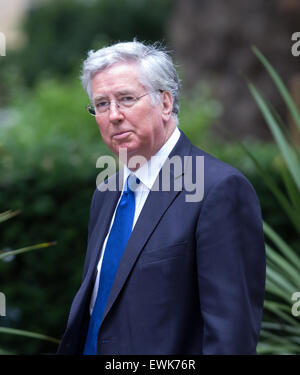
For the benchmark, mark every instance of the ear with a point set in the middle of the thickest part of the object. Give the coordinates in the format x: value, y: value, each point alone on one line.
x: 167, y: 105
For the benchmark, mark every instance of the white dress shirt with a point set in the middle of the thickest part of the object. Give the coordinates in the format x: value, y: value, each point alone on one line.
x: 147, y: 175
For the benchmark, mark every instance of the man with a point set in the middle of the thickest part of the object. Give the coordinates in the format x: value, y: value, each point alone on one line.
x: 165, y: 272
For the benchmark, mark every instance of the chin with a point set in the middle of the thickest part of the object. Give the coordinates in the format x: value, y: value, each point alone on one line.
x: 132, y: 152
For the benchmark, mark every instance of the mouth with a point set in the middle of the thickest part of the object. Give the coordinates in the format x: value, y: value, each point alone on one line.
x: 122, y: 134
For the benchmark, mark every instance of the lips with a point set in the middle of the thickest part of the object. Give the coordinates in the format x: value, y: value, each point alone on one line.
x: 122, y: 134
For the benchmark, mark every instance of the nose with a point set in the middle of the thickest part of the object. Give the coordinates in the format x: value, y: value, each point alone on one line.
x: 115, y: 115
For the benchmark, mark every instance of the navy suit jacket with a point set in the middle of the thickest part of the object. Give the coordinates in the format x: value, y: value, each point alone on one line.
x: 192, y: 277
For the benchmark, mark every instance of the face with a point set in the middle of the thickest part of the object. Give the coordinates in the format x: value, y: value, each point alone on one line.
x: 143, y: 128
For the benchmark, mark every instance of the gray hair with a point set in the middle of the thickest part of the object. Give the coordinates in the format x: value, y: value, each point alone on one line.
x: 156, y: 69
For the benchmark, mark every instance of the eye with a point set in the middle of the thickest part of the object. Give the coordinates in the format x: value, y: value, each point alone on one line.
x: 102, y: 104
x: 127, y: 99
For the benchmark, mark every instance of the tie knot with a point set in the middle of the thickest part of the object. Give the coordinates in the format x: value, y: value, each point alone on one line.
x: 132, y: 183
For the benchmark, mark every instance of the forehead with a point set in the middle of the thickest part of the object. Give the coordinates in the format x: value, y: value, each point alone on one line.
x: 117, y: 78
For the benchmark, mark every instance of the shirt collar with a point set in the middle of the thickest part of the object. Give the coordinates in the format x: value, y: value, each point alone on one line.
x: 150, y: 170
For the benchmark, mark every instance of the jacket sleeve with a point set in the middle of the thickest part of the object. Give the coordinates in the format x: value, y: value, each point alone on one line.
x: 231, y: 267
x: 91, y: 224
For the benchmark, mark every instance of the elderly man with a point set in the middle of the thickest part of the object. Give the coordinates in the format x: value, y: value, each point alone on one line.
x: 163, y: 274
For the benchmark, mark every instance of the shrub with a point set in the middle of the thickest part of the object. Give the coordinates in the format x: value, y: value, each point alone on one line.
x: 280, y: 329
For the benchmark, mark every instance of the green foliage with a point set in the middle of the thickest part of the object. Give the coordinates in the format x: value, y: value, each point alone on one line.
x: 3, y: 217
x: 59, y: 33
x: 48, y: 152
x: 26, y: 249
x: 197, y: 112
x: 33, y: 335
x: 50, y: 130
x: 280, y: 329
x: 7, y: 215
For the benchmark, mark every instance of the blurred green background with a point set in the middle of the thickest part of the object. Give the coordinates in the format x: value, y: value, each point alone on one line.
x: 49, y: 144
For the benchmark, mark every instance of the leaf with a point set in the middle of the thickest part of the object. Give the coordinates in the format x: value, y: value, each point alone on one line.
x: 283, y: 201
x: 26, y: 249
x: 7, y: 215
x: 289, y: 155
x: 285, y: 249
x: 276, y: 290
x: 278, y: 344
x: 33, y: 335
x: 286, y: 269
x: 283, y: 262
x: 280, y: 85
x: 281, y: 282
x: 291, y: 188
x: 281, y: 327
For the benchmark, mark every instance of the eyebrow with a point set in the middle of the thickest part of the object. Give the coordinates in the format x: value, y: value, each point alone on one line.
x: 118, y: 93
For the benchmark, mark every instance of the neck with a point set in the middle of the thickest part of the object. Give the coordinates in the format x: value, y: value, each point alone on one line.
x: 134, y: 162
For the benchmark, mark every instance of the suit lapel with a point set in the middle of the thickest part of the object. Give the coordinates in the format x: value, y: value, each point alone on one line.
x: 155, y: 206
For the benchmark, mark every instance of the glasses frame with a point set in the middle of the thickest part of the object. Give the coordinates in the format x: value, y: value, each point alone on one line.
x: 91, y: 109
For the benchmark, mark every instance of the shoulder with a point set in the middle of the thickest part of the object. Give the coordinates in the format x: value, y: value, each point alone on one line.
x: 215, y: 169
x: 108, y: 190
x: 218, y: 173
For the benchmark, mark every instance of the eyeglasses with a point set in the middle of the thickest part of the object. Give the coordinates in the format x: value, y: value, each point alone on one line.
x: 123, y: 102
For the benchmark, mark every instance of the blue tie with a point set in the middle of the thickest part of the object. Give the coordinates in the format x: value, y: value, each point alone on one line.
x: 116, y: 243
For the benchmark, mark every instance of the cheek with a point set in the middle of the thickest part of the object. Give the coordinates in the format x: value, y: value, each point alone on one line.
x: 145, y: 135
x: 148, y: 125
x: 104, y: 133
x: 99, y: 124
x: 101, y: 127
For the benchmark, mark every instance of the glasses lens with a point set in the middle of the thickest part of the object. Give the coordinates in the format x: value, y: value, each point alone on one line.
x: 127, y: 101
x: 91, y: 110
x: 123, y: 102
